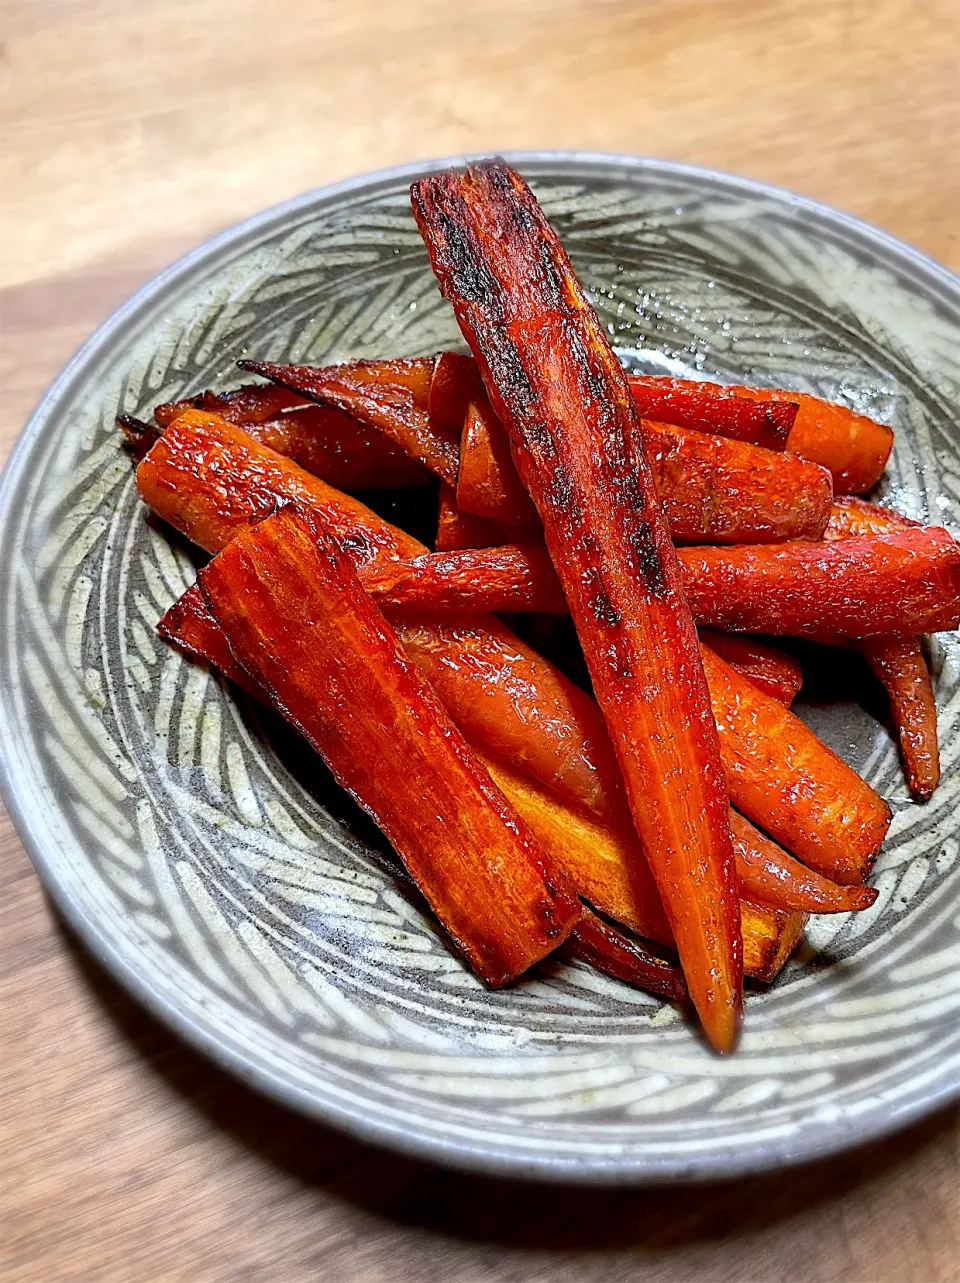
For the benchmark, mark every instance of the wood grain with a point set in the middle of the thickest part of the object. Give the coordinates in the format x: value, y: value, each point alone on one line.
x: 132, y: 131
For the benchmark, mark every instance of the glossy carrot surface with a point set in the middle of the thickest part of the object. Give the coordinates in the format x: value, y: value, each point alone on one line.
x: 851, y: 517
x: 598, y: 857
x: 905, y: 581
x: 361, y: 391
x: 288, y: 600
x: 773, y: 671
x: 575, y: 435
x: 854, y: 448
x: 707, y: 407
x: 326, y: 442
x: 457, y: 529
x: 769, y: 874
x: 454, y: 384
x: 789, y: 783
x: 900, y: 665
x: 488, y: 484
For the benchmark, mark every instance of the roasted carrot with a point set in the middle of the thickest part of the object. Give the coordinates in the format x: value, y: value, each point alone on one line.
x: 851, y: 517
x: 707, y: 407
x: 457, y: 530
x: 606, y: 949
x: 898, y: 662
x: 396, y: 409
x: 514, y: 578
x: 906, y: 581
x: 488, y: 484
x: 854, y: 588
x: 211, y: 481
x: 770, y: 669
x: 574, y: 431
x: 900, y: 665
x: 790, y: 783
x: 326, y: 442
x: 770, y: 875
x: 852, y: 447
x: 454, y: 384
x: 289, y: 601
x: 598, y: 857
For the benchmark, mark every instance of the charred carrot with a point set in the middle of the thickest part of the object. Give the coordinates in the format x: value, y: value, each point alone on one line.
x: 907, y: 581
x: 488, y: 484
x: 394, y: 408
x: 898, y: 662
x: 770, y: 669
x: 457, y: 530
x: 211, y: 481
x: 575, y: 433
x: 790, y: 783
x: 852, y: 447
x: 900, y: 665
x: 707, y: 407
x: 328, y: 443
x: 454, y: 384
x: 289, y: 601
x: 610, y: 951
x: 770, y: 875
x: 599, y: 858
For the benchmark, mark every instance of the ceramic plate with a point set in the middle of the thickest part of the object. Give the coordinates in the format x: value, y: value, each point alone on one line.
x: 209, y: 863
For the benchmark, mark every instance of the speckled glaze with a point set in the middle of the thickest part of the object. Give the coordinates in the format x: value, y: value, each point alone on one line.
x: 206, y: 858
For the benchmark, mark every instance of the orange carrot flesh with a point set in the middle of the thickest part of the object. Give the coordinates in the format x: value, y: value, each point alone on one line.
x: 774, y: 672
x: 610, y: 951
x: 457, y: 530
x: 769, y: 874
x: 488, y: 484
x: 900, y: 665
x: 514, y: 578
x: 575, y: 434
x: 454, y: 384
x: 851, y: 517
x: 905, y: 581
x: 395, y: 409
x: 790, y: 783
x: 852, y: 447
x: 328, y: 443
x: 706, y: 407
x: 288, y: 599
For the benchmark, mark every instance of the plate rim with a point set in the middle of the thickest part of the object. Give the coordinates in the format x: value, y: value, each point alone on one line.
x: 490, y: 1161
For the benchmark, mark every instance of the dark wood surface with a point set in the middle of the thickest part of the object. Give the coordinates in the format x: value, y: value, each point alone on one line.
x: 130, y: 132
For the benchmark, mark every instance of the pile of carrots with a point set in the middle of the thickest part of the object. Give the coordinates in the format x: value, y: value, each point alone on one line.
x: 683, y: 811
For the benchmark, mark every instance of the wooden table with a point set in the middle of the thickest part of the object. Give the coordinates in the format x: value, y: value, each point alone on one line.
x: 130, y: 132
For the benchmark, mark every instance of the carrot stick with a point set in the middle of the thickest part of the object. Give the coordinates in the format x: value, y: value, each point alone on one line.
x: 488, y: 484
x: 289, y: 601
x: 211, y: 481
x: 328, y: 443
x: 515, y: 578
x: 606, y: 949
x: 906, y: 581
x: 396, y: 409
x: 790, y: 783
x: 898, y: 662
x: 774, y: 672
x: 599, y: 858
x: 900, y: 665
x: 854, y: 448
x: 575, y: 434
x: 454, y: 384
x: 767, y: 873
x: 457, y: 530
x: 706, y: 407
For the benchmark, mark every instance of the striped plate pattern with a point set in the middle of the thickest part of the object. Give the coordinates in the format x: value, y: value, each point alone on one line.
x: 207, y: 857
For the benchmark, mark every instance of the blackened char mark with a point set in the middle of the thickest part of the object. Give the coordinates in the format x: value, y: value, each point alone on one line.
x: 458, y: 258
